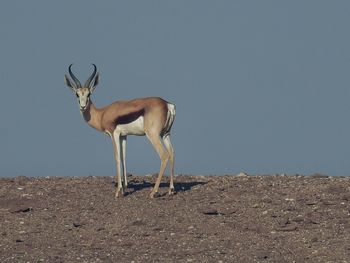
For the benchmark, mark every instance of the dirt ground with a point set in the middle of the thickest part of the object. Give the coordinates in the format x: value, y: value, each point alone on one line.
x: 273, y: 218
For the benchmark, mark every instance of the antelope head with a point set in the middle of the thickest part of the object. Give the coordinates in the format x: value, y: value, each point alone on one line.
x: 82, y: 92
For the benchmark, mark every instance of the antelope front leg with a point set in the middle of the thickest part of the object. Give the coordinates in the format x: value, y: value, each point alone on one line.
x: 116, y: 147
x: 123, y: 158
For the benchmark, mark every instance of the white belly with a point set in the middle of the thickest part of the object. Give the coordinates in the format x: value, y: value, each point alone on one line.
x: 133, y: 128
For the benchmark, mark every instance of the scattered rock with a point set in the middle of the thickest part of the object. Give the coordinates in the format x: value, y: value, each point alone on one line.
x: 21, y: 210
x: 241, y: 174
x: 230, y: 211
x: 262, y: 255
x: 75, y: 224
x: 313, y: 218
x: 298, y: 219
x: 283, y: 221
x: 210, y: 211
x: 311, y: 202
x: 328, y: 202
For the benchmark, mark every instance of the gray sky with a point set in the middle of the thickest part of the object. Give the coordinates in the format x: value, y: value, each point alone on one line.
x: 260, y: 86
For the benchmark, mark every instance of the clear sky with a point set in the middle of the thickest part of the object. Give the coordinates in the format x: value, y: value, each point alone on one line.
x: 260, y: 86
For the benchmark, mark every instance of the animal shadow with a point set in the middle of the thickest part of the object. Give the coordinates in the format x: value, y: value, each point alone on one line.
x: 138, y: 185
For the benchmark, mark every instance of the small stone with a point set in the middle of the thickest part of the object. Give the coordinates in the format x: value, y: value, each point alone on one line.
x: 283, y: 221
x: 77, y: 224
x: 298, y: 219
x: 231, y: 211
x: 328, y: 202
x: 21, y: 209
x: 241, y: 174
x: 263, y: 255
x: 311, y: 202
x: 211, y: 212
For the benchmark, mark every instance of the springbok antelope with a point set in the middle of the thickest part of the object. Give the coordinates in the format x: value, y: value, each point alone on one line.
x: 151, y: 116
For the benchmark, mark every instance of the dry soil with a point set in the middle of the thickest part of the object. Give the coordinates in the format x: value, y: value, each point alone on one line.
x: 271, y: 218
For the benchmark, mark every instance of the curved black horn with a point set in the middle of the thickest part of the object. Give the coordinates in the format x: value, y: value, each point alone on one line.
x: 76, y: 81
x: 88, y: 82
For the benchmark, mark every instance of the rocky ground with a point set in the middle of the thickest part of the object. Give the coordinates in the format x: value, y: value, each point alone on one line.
x: 211, y: 219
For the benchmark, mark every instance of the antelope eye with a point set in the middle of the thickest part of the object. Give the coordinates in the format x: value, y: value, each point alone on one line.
x: 76, y: 94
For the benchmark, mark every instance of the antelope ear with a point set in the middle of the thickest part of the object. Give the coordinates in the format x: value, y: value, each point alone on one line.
x: 69, y: 83
x: 94, y: 82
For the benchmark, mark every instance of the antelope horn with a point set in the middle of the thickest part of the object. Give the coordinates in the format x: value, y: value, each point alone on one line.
x: 76, y: 81
x: 88, y: 82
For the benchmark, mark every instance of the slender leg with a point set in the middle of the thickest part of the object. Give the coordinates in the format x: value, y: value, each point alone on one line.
x: 170, y: 149
x: 164, y: 157
x: 123, y: 157
x: 116, y: 146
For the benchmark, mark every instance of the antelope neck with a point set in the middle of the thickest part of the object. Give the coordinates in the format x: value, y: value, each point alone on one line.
x: 92, y: 116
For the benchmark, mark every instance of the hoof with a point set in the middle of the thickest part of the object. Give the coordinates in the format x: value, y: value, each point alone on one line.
x: 119, y: 193
x: 172, y: 191
x: 154, y: 195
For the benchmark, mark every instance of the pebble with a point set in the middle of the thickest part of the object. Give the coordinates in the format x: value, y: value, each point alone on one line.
x: 210, y: 211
